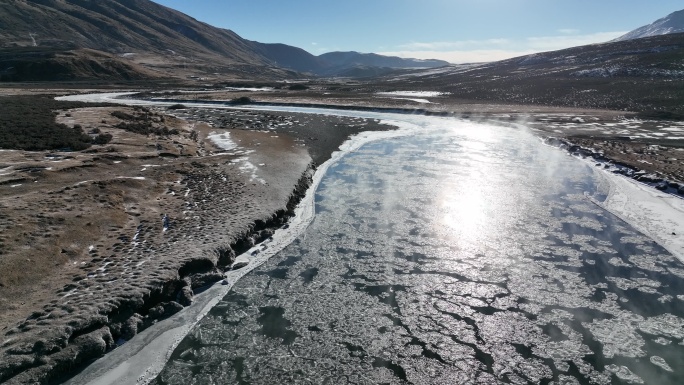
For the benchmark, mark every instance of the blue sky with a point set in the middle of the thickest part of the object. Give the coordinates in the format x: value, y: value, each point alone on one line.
x: 455, y: 30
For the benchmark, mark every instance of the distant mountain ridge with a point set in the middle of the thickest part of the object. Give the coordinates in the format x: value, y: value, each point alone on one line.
x: 345, y: 61
x: 287, y: 56
x: 672, y: 23
x: 338, y: 63
x: 156, y: 37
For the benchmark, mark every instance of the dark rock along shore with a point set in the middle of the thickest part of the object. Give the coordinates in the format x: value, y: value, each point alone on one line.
x: 617, y: 167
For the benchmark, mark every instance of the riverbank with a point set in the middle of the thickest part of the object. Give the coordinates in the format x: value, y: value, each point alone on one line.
x: 212, y: 214
x: 124, y: 234
x: 640, y: 141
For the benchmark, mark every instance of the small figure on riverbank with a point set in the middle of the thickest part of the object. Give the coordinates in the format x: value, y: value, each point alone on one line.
x: 165, y: 222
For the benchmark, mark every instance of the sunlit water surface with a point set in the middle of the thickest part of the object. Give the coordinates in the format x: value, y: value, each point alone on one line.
x: 468, y: 254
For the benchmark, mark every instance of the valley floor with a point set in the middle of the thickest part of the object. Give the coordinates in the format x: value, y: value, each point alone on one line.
x: 98, y: 244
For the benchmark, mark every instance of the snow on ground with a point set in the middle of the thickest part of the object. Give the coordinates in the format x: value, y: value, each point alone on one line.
x: 424, y: 101
x: 254, y: 89
x: 657, y: 214
x: 451, y: 69
x: 633, y: 128
x: 222, y: 140
x: 424, y: 94
x: 6, y: 171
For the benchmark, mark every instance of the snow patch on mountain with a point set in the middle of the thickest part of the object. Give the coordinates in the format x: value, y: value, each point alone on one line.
x: 672, y: 23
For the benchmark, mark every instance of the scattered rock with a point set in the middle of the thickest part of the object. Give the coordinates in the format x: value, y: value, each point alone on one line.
x: 131, y: 326
x: 200, y: 280
x: 188, y: 355
x: 239, y: 265
x: 650, y: 178
x: 185, y: 296
x: 226, y: 257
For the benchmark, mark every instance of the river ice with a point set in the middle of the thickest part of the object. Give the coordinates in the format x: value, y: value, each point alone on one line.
x: 466, y: 254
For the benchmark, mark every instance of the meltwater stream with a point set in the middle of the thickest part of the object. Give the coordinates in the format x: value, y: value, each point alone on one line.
x: 468, y: 254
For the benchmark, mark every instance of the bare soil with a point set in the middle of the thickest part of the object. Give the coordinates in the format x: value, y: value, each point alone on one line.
x: 89, y: 239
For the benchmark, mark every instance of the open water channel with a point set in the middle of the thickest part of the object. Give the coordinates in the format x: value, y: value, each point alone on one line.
x: 463, y: 254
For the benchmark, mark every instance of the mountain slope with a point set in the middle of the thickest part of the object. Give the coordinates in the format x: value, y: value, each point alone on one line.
x: 644, y: 75
x: 347, y: 64
x: 140, y: 31
x: 672, y: 23
x: 158, y: 38
x: 118, y: 26
x: 46, y: 64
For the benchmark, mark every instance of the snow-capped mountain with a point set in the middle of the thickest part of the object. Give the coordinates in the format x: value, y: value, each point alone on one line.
x: 672, y: 23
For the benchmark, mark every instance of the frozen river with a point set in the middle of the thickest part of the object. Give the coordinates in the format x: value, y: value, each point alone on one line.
x: 462, y: 253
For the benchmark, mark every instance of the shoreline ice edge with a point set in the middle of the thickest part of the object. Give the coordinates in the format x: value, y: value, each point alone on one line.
x: 647, y: 210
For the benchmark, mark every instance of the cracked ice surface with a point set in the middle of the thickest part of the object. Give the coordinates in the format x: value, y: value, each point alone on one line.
x: 463, y: 255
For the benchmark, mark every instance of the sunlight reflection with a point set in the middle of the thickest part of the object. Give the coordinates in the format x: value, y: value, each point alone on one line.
x: 467, y: 200
x: 465, y: 214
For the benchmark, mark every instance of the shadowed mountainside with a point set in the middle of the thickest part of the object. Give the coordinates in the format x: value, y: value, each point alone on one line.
x: 47, y: 64
x: 158, y: 38
x: 135, y: 31
x: 347, y: 64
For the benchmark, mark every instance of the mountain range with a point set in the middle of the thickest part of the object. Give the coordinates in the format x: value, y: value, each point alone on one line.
x: 337, y: 63
x: 105, y: 40
x: 139, y: 38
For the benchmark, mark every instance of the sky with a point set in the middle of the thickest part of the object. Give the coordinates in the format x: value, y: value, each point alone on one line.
x: 459, y: 31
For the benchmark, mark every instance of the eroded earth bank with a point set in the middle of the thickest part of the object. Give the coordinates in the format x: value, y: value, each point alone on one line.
x: 101, y: 243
